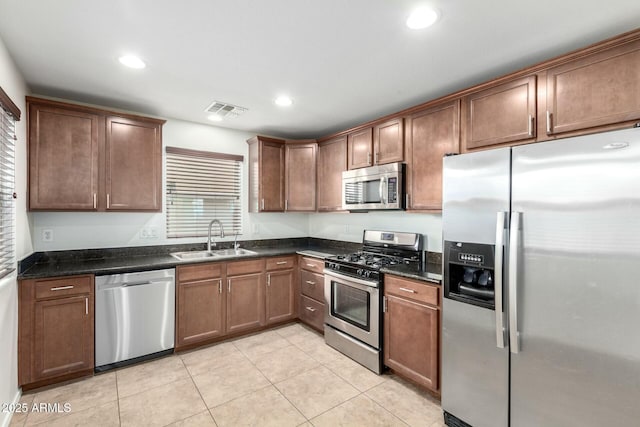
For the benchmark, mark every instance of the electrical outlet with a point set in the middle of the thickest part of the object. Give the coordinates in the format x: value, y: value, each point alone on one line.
x: 255, y: 228
x: 153, y: 232
x: 47, y: 235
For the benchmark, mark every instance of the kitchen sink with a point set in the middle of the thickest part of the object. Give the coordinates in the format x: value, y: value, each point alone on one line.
x: 233, y: 252
x: 220, y: 253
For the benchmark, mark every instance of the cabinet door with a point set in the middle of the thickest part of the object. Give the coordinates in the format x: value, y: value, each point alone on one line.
x: 133, y: 175
x: 280, y: 301
x: 63, y: 159
x: 301, y: 177
x: 332, y: 161
x: 359, y: 150
x: 63, y: 336
x: 411, y: 340
x: 200, y: 311
x: 502, y: 114
x: 388, y: 142
x: 430, y: 135
x: 271, y: 181
x: 245, y: 302
x: 597, y: 90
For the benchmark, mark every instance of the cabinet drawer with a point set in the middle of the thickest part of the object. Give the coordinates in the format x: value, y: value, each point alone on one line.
x: 312, y: 285
x: 312, y: 312
x: 188, y: 273
x: 64, y: 286
x: 245, y: 267
x: 281, y: 262
x: 412, y: 289
x: 312, y: 264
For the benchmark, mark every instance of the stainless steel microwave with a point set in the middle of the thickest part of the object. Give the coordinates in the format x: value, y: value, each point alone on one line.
x: 373, y: 188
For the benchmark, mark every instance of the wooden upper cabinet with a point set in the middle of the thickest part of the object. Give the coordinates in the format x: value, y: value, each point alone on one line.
x: 332, y: 161
x: 501, y: 114
x: 63, y: 158
x: 300, y: 183
x: 266, y: 174
x: 596, y: 90
x: 360, y: 148
x: 84, y: 158
x: 388, y: 142
x: 133, y: 154
x: 430, y: 134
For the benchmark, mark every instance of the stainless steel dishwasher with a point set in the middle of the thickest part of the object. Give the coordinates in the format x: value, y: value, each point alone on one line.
x: 135, y: 317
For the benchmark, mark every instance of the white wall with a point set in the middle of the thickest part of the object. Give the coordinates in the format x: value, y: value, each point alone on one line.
x: 81, y: 230
x: 349, y: 226
x: 13, y: 84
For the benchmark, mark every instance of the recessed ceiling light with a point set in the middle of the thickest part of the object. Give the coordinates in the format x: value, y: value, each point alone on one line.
x: 214, y: 118
x: 132, y: 61
x: 283, y: 101
x: 422, y: 18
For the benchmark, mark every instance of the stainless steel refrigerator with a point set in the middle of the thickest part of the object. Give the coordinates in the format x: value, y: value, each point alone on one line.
x: 541, y: 309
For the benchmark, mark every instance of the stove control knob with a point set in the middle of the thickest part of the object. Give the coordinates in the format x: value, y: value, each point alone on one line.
x: 336, y: 266
x: 359, y: 272
x: 367, y: 273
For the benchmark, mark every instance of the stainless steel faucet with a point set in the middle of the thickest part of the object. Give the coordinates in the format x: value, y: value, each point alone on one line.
x: 235, y: 243
x: 214, y: 221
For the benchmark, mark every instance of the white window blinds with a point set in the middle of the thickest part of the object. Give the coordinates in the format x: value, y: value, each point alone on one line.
x: 9, y: 113
x: 202, y: 186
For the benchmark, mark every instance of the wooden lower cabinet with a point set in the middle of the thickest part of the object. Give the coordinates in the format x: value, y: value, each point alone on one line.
x: 412, y: 331
x: 200, y: 311
x: 281, y: 289
x: 245, y: 302
x: 56, y: 329
x: 311, y: 300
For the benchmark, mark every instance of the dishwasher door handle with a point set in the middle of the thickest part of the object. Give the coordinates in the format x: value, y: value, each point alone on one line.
x: 130, y: 284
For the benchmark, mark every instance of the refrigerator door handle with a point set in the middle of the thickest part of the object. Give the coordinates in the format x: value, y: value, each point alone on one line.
x: 499, y: 255
x: 514, y: 243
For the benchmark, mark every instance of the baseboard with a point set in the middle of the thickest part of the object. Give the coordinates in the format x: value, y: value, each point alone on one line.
x: 5, y: 419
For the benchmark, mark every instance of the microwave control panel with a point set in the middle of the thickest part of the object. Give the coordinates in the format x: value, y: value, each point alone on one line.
x: 392, y: 190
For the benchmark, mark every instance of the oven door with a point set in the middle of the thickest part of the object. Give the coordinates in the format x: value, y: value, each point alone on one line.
x: 353, y: 307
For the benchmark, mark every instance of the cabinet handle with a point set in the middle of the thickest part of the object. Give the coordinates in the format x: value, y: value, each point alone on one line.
x: 86, y: 306
x: 220, y: 286
x: 548, y: 121
x: 384, y: 304
x: 62, y: 288
x: 286, y: 204
x: 311, y: 265
x: 375, y: 158
x: 281, y: 262
x: 311, y: 309
x: 530, y: 130
x: 406, y: 200
x: 269, y: 279
x: 262, y: 203
x: 407, y: 290
x: 229, y: 285
x: 95, y: 201
x: 108, y: 204
x: 310, y: 282
x: 369, y: 158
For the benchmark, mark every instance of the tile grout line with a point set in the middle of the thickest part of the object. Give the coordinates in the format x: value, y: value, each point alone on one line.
x: 118, y: 399
x: 198, y: 390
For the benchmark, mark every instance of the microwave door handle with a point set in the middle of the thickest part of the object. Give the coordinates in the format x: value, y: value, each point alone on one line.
x: 383, y: 190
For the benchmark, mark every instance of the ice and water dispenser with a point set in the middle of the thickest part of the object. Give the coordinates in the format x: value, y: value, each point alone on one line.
x: 469, y: 273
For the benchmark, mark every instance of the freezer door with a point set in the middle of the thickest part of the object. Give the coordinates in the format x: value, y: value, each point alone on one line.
x: 475, y: 187
x: 475, y: 365
x: 578, y: 293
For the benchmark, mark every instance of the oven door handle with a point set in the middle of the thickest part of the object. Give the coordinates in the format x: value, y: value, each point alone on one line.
x: 352, y: 281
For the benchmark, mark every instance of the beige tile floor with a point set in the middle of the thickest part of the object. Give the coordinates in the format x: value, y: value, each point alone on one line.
x: 281, y: 377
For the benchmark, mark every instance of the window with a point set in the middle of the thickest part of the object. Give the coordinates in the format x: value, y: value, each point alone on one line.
x: 9, y: 114
x: 202, y: 186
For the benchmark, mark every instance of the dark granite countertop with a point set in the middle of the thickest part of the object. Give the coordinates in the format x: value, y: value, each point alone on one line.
x: 124, y: 260
x: 410, y: 273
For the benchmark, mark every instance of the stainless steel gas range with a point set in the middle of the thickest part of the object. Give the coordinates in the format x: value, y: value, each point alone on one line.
x: 353, y: 293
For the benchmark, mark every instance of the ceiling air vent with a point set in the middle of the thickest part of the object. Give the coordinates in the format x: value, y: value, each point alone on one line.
x: 225, y: 110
